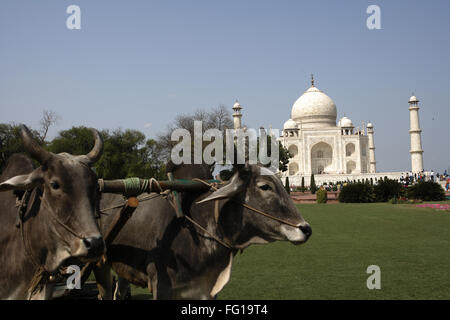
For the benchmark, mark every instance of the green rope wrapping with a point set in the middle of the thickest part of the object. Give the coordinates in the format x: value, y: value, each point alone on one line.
x: 133, y: 186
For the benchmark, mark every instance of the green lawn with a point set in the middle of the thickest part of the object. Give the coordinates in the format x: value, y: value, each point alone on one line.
x: 410, y: 245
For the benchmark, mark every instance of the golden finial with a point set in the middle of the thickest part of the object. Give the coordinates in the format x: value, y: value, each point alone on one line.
x: 312, y: 80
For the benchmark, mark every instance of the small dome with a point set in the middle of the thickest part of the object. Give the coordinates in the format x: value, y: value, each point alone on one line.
x: 237, y: 105
x: 290, y: 124
x: 345, y: 123
x: 369, y: 125
x: 413, y: 99
x: 314, y: 109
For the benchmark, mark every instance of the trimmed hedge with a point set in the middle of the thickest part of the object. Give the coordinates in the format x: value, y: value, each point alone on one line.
x: 426, y: 191
x: 286, y: 186
x: 357, y: 193
x: 321, y: 196
x: 387, y: 189
x: 312, y: 185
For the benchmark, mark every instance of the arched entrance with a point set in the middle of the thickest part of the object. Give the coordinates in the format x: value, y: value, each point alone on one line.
x: 351, y: 166
x: 293, y: 168
x: 321, y: 158
x: 293, y: 150
x: 349, y: 149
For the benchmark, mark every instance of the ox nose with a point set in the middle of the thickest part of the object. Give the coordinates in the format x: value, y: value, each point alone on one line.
x: 306, y: 229
x: 94, y: 245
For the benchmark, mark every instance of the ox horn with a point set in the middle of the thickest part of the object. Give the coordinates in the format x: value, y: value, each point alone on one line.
x: 96, y: 151
x: 32, y: 147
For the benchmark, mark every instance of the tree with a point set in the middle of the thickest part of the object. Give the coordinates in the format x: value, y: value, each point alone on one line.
x: 303, y: 184
x: 49, y: 118
x: 218, y: 118
x: 284, y: 157
x: 10, y: 142
x: 312, y: 184
x: 125, y: 153
x: 286, y: 186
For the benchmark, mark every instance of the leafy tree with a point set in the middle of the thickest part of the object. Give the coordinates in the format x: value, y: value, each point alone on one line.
x: 125, y: 153
x: 284, y: 157
x: 10, y: 142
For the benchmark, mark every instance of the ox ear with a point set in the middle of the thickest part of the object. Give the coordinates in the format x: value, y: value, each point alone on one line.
x: 235, y: 186
x: 23, y: 182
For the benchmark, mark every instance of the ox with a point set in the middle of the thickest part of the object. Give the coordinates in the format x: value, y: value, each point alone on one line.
x: 58, y: 225
x: 177, y: 260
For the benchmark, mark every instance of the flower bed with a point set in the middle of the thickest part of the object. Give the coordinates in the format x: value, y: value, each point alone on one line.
x: 438, y: 206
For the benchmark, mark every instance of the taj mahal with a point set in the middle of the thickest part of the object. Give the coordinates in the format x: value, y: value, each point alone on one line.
x: 334, y: 150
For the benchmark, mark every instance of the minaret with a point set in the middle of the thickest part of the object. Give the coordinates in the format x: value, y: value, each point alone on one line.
x: 414, y: 131
x: 237, y: 115
x: 372, y: 162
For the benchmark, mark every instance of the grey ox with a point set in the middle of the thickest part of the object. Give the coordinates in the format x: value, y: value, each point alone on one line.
x: 176, y: 259
x: 58, y: 225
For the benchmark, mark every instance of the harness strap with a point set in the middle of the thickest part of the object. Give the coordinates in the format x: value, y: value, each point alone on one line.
x: 22, y: 207
x: 222, y: 242
x: 62, y: 224
x: 268, y: 215
x: 213, y: 186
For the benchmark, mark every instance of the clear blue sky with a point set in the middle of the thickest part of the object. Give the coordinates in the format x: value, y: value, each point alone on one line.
x: 137, y: 64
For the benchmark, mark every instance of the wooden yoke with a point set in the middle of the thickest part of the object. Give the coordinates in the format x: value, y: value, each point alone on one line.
x: 119, y: 221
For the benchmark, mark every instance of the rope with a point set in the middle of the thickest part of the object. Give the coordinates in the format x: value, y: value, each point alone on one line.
x: 268, y: 215
x: 65, y: 226
x: 133, y: 186
x: 211, y: 185
x: 146, y: 198
x: 222, y: 242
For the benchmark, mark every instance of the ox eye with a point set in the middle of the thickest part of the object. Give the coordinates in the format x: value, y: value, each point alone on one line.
x: 265, y: 187
x: 54, y: 185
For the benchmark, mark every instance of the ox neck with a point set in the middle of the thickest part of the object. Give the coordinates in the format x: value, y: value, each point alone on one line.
x: 231, y: 223
x: 39, y: 235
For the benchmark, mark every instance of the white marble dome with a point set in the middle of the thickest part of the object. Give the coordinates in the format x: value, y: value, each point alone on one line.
x: 314, y: 109
x: 290, y: 124
x: 413, y: 99
x: 237, y: 105
x: 345, y: 123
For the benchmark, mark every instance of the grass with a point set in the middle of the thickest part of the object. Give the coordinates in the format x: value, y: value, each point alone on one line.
x: 410, y: 245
